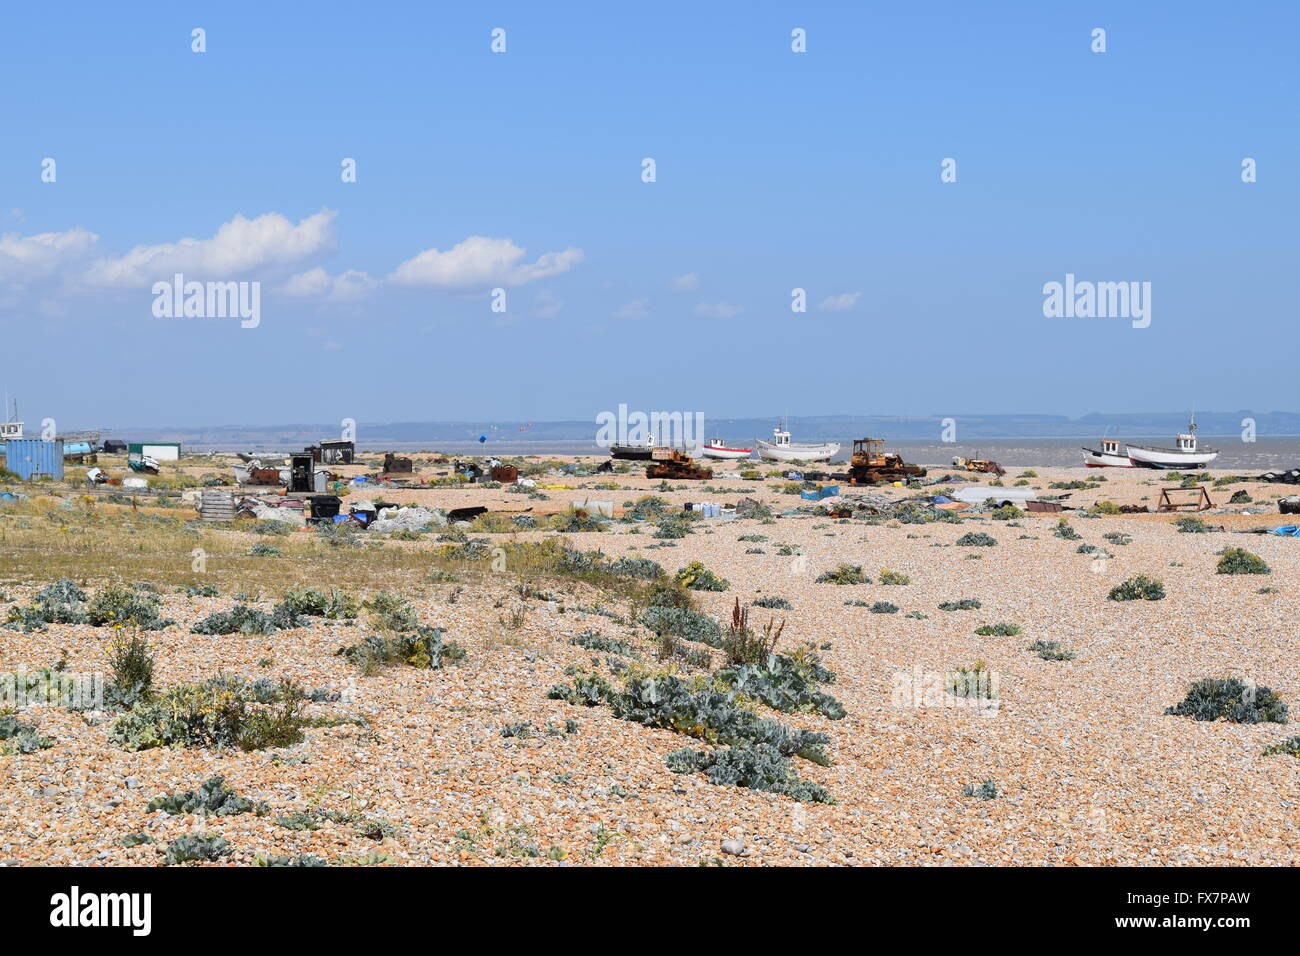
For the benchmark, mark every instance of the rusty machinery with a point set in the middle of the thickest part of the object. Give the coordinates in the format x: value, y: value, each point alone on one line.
x: 670, y: 463
x: 979, y: 464
x: 870, y: 464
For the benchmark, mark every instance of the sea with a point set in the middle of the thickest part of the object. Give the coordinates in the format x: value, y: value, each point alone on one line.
x: 1264, y: 454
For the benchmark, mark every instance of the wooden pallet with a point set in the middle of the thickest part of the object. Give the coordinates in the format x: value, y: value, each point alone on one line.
x: 217, y: 506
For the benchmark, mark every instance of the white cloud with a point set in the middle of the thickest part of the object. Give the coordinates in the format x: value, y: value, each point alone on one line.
x: 839, y: 303
x: 317, y: 283
x: 718, y: 310
x: 239, y: 247
x: 35, y: 257
x: 636, y: 309
x: 687, y: 283
x: 481, y: 262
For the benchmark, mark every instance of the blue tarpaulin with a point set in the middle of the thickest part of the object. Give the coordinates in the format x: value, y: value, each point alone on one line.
x: 1290, y: 530
x: 830, y: 491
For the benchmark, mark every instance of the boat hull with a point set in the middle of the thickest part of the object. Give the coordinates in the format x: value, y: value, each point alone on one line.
x: 792, y: 452
x: 630, y: 452
x: 710, y: 451
x: 1146, y: 457
x: 1098, y: 459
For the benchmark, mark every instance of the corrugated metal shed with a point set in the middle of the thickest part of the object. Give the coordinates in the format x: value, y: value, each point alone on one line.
x: 32, y: 458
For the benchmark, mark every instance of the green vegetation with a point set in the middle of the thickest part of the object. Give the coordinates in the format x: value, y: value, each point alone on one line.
x: 844, y: 574
x: 1051, y: 651
x: 1241, y: 561
x: 217, y: 713
x: 1231, y: 699
x: 1139, y: 588
x: 998, y: 630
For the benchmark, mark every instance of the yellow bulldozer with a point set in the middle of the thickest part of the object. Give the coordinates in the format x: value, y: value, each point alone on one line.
x: 871, y: 464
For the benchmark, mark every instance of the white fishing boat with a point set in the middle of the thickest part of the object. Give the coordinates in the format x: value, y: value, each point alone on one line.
x: 780, y: 448
x: 1184, y: 454
x: 1110, y: 455
x: 717, y: 448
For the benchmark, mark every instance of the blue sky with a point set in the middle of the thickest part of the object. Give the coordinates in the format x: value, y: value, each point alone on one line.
x: 775, y: 170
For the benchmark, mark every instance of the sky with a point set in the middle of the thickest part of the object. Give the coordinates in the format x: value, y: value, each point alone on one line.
x: 523, y: 171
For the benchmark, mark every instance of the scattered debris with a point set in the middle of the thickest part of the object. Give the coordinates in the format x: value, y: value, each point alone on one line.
x: 979, y: 464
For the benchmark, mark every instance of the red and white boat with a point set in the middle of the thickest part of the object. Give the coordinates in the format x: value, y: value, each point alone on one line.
x: 1108, y: 456
x: 717, y: 448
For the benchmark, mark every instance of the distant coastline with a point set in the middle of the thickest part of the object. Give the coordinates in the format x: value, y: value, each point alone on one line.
x: 1265, y: 454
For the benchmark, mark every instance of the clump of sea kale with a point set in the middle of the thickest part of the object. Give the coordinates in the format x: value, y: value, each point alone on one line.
x: 696, y: 709
x: 987, y: 790
x: 242, y: 619
x: 672, y: 526
x: 217, y: 713
x: 392, y: 613
x: 786, y: 682
x: 773, y: 602
x: 883, y: 607
x: 196, y: 848
x: 594, y: 641
x: 1139, y: 588
x: 202, y: 590
x: 755, y: 767
x: 20, y: 738
x: 425, y: 647
x: 336, y: 605
x: 213, y: 798
x: 976, y: 539
x: 1231, y: 699
x: 1051, y: 651
x: 965, y: 604
x: 583, y: 562
x: 118, y: 605
x: 844, y: 574
x: 648, y: 506
x: 1063, y: 530
x: 682, y: 622
x: 1290, y: 747
x: 60, y: 603
x: 1241, y: 561
x: 998, y: 630
x: 1191, y: 525
x: 893, y: 577
x: 696, y: 577
x: 302, y: 859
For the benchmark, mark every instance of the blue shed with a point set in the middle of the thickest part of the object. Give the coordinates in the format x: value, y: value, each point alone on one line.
x: 32, y: 458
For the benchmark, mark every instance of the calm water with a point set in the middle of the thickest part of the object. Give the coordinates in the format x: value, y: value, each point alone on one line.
x: 1266, y: 454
